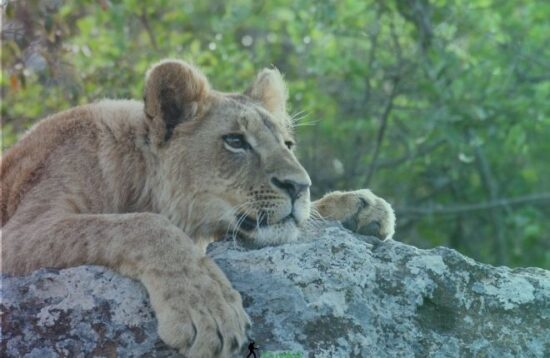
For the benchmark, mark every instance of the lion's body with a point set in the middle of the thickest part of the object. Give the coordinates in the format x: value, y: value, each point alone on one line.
x: 142, y: 188
x: 86, y: 160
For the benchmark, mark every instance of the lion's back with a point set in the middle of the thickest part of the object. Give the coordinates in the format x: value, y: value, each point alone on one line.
x: 23, y: 165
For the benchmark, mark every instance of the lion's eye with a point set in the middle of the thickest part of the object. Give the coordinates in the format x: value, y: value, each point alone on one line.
x: 289, y: 144
x: 236, y: 141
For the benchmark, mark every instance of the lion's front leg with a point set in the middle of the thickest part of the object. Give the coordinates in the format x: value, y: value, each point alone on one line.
x: 197, y: 310
x: 360, y: 211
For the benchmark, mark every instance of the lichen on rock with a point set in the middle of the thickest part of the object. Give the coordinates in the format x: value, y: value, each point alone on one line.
x: 331, y: 295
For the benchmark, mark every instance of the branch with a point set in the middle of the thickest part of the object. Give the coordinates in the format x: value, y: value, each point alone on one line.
x: 145, y: 20
x: 367, y: 96
x: 381, y: 132
x: 541, y: 198
x: 371, y: 57
x: 491, y: 187
x: 412, y: 155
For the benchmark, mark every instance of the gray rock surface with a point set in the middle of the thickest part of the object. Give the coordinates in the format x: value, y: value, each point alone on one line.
x: 332, y: 296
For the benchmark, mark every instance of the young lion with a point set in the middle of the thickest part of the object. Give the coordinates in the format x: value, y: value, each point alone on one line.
x: 142, y: 188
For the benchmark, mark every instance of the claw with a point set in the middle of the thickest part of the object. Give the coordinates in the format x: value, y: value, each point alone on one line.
x: 373, y: 240
x: 194, y: 333
x: 351, y: 223
x: 220, y: 337
x: 234, y: 344
x: 372, y: 229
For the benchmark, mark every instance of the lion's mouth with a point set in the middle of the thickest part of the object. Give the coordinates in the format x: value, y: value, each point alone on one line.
x: 249, y: 223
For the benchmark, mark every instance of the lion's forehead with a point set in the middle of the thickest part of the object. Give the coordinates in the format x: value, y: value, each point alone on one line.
x: 240, y: 113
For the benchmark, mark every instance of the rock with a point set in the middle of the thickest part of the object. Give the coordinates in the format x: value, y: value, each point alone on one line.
x: 332, y: 296
x: 76, y: 312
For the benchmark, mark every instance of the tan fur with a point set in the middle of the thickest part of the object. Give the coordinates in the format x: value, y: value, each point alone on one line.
x: 143, y: 187
x: 270, y: 89
x: 357, y: 210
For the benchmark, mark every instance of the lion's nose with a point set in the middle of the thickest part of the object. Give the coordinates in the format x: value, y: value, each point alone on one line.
x: 292, y: 188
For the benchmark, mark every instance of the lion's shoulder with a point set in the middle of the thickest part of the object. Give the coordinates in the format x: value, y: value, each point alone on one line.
x: 22, y: 166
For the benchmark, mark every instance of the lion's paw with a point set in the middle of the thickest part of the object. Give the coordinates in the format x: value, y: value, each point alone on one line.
x: 359, y: 211
x: 203, y: 317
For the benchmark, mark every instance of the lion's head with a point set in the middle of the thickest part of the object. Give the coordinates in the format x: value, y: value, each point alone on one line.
x: 226, y: 161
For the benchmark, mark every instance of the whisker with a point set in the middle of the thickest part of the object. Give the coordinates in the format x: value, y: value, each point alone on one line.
x: 231, y: 213
x: 303, y: 124
x: 315, y: 221
x: 298, y: 116
x: 239, y: 223
x: 189, y: 212
x: 234, y: 226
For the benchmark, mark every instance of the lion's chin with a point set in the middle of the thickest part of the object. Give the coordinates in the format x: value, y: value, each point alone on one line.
x: 271, y: 235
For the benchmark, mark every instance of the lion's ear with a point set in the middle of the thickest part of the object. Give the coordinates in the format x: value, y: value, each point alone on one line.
x: 270, y: 90
x: 174, y: 91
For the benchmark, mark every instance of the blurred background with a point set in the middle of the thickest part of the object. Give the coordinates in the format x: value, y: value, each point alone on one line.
x: 440, y: 106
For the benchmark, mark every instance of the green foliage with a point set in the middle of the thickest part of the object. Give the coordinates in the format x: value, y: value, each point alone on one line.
x: 441, y: 106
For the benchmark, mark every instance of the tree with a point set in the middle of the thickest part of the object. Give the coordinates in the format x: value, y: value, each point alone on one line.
x: 440, y: 106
